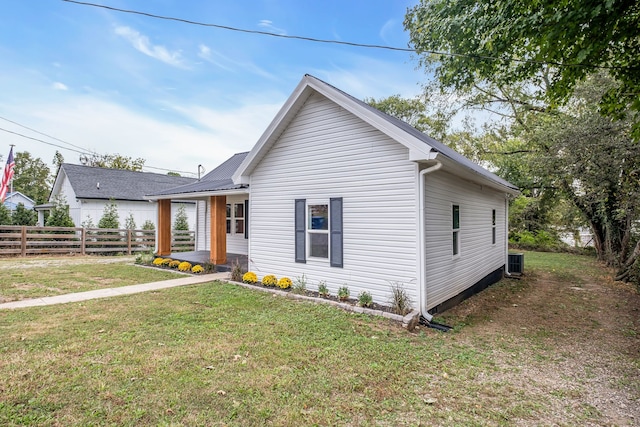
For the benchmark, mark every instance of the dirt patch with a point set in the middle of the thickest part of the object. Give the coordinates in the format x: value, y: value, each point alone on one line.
x: 581, y: 341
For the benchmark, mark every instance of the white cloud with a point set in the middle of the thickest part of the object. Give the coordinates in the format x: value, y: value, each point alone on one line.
x: 59, y: 86
x: 386, y: 29
x: 219, y: 60
x: 142, y: 43
x: 268, y: 25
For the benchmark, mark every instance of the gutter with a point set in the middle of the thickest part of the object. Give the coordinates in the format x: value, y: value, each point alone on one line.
x: 422, y: 290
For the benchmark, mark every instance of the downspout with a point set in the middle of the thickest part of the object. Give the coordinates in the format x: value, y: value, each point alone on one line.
x: 422, y: 291
x: 506, y: 237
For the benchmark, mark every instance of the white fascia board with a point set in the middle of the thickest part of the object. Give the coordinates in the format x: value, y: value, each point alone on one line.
x: 55, y: 189
x: 197, y: 196
x: 472, y: 176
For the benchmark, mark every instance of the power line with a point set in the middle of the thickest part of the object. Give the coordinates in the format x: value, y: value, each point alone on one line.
x: 340, y: 42
x: 90, y: 152
x: 44, y: 134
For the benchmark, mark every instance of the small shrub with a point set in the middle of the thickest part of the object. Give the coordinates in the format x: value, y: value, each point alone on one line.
x: 323, y: 291
x: 197, y: 269
x: 299, y: 285
x: 343, y: 293
x: 365, y: 299
x: 400, y: 300
x: 184, y: 266
x: 250, y: 277
x: 269, y: 280
x: 158, y: 261
x: 166, y: 262
x: 144, y: 258
x: 284, y: 283
x: 237, y: 272
x: 174, y: 264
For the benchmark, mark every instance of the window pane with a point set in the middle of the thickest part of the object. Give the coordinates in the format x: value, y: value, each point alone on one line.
x: 228, y: 211
x: 239, y: 210
x: 455, y: 242
x: 493, y: 217
x: 228, y: 226
x: 493, y: 236
x: 318, y: 217
x: 456, y: 216
x: 319, y: 245
x: 239, y: 226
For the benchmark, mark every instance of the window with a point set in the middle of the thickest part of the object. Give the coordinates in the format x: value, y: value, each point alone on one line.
x: 318, y: 229
x: 238, y: 213
x: 236, y: 220
x: 493, y: 227
x: 318, y: 235
x: 455, y: 219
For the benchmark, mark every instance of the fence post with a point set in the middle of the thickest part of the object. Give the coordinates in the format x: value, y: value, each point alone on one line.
x: 23, y: 243
x: 83, y: 241
x: 129, y: 242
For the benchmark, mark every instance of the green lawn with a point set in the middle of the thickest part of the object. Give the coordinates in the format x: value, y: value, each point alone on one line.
x: 37, y: 279
x: 218, y: 354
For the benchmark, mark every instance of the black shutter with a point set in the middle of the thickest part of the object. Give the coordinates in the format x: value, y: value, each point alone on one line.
x: 335, y: 239
x: 246, y: 219
x: 300, y: 241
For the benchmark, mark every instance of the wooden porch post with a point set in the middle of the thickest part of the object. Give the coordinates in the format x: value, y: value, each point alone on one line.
x: 163, y: 245
x: 218, y: 244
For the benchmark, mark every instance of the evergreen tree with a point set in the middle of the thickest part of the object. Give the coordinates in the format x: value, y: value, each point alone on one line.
x: 130, y: 222
x: 24, y: 216
x: 59, y: 216
x: 5, y: 215
x: 110, y: 218
x: 182, y: 220
x: 148, y: 225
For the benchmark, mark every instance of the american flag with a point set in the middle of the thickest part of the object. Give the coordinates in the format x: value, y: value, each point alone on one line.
x: 7, y: 175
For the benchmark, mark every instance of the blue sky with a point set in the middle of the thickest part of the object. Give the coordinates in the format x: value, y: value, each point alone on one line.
x: 180, y: 95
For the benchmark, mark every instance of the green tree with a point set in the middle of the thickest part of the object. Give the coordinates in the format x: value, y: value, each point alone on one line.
x: 181, y: 221
x: 114, y: 161
x: 543, y: 48
x: 110, y: 218
x: 5, y: 215
x: 130, y: 222
x: 148, y: 225
x: 24, y: 216
x: 173, y: 174
x: 59, y: 216
x: 31, y: 177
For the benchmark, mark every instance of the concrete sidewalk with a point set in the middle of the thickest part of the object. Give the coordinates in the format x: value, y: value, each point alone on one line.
x: 112, y: 292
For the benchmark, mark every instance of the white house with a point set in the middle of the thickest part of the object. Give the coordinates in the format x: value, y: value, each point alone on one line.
x: 87, y: 190
x: 343, y: 193
x: 14, y: 199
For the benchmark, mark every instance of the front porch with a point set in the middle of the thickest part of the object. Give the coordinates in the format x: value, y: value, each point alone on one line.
x: 204, y: 257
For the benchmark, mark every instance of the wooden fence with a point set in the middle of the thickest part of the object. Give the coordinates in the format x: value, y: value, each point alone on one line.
x: 25, y: 240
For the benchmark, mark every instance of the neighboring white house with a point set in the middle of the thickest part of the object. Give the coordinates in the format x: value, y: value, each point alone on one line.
x: 343, y: 193
x: 14, y: 199
x: 87, y: 190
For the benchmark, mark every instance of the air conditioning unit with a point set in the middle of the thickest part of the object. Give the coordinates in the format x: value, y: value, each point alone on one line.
x: 516, y: 263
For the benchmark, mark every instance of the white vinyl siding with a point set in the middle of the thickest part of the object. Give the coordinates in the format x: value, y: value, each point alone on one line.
x: 447, y: 276
x: 326, y: 152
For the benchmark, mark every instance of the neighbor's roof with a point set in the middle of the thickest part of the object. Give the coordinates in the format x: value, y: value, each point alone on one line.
x: 102, y: 183
x: 421, y: 146
x: 217, y: 180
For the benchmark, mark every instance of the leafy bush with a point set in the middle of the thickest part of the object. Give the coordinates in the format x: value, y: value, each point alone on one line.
x: 400, y: 301
x: 184, y: 266
x: 343, y: 293
x: 250, y: 277
x: 300, y: 285
x: 540, y: 240
x: 365, y: 299
x: 144, y: 258
x: 158, y: 261
x: 148, y: 225
x: 166, y: 262
x: 59, y: 215
x: 269, y: 280
x: 284, y: 283
x: 197, y: 269
x: 237, y: 271
x: 323, y: 291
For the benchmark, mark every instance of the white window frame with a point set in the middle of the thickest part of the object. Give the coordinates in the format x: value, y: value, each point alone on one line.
x: 455, y: 232
x: 311, y: 231
x: 232, y: 219
x: 236, y: 218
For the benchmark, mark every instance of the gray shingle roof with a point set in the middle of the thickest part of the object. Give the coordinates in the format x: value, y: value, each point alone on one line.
x: 436, y: 145
x: 218, y: 179
x: 116, y: 183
